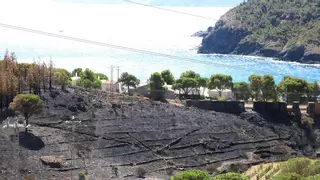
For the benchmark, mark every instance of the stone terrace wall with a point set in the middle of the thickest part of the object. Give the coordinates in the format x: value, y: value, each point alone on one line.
x: 276, y: 110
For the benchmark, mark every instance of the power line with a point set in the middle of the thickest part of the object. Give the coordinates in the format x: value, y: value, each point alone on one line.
x: 170, y: 10
x: 129, y: 48
x: 111, y: 45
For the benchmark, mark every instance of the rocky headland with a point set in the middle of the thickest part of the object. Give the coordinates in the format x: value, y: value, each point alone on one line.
x: 286, y: 30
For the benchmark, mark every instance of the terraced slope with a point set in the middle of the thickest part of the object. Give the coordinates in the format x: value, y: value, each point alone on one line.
x: 114, y: 135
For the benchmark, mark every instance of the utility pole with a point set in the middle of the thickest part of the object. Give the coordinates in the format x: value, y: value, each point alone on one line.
x: 118, y: 70
x: 112, y: 67
x: 118, y: 83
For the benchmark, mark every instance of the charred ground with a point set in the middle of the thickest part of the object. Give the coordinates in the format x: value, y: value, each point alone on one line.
x: 120, y: 133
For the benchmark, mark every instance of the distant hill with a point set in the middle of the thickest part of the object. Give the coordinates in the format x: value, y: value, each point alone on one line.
x: 288, y: 29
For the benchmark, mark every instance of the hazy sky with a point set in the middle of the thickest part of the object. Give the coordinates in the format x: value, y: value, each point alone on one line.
x: 185, y: 3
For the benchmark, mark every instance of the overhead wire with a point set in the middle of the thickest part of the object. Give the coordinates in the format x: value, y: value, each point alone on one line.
x: 170, y: 10
x: 113, y: 46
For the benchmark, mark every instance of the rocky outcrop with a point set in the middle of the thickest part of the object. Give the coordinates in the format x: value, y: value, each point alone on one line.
x: 223, y: 41
x: 53, y: 161
x: 202, y: 33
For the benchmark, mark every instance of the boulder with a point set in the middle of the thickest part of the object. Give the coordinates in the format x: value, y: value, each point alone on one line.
x: 53, y: 161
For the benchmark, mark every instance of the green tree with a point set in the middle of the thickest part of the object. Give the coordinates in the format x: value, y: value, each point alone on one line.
x: 191, y: 175
x: 27, y: 104
x: 156, y: 83
x: 241, y: 90
x: 294, y: 88
x: 167, y: 76
x: 86, y: 83
x: 268, y: 88
x: 77, y: 71
x: 313, y: 91
x: 230, y: 176
x: 88, y: 74
x: 64, y: 71
x: 190, y: 80
x: 190, y: 74
x: 96, y: 84
x: 129, y: 80
x: 61, y: 79
x: 101, y: 76
x: 256, y: 84
x: 220, y: 82
x: 186, y: 84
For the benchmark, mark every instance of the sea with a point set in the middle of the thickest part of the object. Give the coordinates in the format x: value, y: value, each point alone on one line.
x: 167, y: 35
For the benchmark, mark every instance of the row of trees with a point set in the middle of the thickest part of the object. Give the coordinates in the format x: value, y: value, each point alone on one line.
x: 16, y: 78
x: 259, y: 88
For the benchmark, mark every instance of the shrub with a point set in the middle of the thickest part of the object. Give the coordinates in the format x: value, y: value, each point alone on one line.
x: 307, y: 121
x: 316, y: 177
x: 314, y: 169
x: 288, y: 176
x: 191, y: 175
x: 230, y: 176
x: 140, y: 172
x: 296, y: 165
x: 222, y: 99
x: 82, y: 176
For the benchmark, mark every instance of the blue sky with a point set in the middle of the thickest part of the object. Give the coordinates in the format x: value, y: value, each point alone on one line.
x: 185, y: 3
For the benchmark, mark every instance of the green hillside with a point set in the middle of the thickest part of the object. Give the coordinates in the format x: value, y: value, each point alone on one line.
x: 289, y: 29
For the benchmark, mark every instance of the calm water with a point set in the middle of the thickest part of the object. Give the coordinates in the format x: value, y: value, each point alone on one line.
x: 130, y: 26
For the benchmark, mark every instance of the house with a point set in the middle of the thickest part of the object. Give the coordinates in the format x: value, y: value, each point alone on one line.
x: 110, y: 86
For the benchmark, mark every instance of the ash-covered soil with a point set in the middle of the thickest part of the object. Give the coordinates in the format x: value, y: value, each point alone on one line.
x: 115, y: 134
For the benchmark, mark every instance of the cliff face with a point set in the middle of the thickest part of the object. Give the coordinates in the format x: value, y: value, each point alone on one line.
x: 289, y: 30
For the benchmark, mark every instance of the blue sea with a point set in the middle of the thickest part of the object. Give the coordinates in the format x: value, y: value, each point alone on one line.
x: 129, y: 26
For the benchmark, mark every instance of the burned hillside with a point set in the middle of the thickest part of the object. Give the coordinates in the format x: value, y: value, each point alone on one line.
x: 109, y: 136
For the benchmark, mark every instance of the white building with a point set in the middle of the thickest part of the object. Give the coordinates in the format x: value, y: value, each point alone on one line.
x: 74, y: 80
x: 227, y: 93
x: 110, y: 86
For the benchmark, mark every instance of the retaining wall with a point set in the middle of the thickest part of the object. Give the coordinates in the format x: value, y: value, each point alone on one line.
x: 275, y: 111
